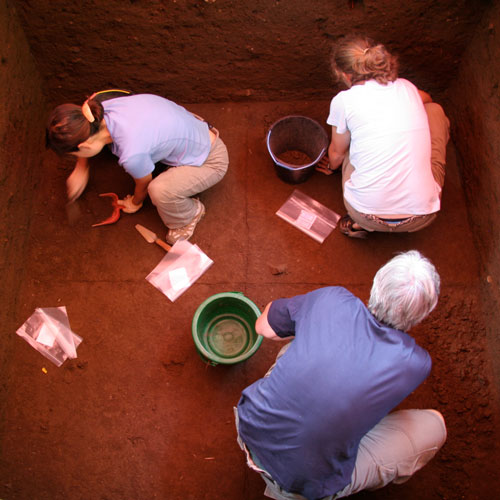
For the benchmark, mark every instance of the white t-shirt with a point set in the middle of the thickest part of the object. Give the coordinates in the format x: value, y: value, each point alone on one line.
x: 390, y: 148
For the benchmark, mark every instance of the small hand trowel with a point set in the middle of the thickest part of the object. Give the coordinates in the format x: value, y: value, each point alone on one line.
x: 151, y: 237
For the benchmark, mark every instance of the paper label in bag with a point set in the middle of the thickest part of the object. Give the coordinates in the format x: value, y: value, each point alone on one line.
x: 179, y: 278
x: 179, y: 269
x: 308, y: 215
x: 45, y: 336
x: 48, y: 331
x: 305, y: 219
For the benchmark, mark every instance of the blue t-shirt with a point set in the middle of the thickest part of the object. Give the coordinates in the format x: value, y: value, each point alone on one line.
x: 342, y: 374
x: 147, y: 129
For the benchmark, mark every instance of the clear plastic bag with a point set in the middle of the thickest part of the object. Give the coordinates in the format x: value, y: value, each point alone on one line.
x: 179, y: 269
x: 308, y: 215
x: 48, y: 331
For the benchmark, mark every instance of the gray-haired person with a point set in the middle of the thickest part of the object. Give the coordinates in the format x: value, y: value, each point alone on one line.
x: 318, y: 425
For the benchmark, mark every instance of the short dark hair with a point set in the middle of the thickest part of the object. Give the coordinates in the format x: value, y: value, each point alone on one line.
x: 67, y: 127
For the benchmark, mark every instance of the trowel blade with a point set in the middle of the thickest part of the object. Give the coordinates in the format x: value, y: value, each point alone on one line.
x: 148, y: 235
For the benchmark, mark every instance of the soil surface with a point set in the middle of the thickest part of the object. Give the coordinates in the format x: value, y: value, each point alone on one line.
x: 295, y: 157
x: 139, y: 415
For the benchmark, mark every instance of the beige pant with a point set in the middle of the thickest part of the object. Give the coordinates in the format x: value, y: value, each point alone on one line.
x: 171, y: 191
x: 439, y: 127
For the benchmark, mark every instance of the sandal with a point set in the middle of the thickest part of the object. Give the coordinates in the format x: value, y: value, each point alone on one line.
x: 346, y: 225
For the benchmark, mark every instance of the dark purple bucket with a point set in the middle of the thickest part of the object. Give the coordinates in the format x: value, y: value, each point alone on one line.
x: 298, y: 133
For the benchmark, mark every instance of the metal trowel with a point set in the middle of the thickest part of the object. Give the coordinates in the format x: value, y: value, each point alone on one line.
x: 151, y: 237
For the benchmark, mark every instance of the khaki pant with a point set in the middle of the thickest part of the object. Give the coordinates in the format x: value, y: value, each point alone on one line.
x: 171, y: 191
x: 439, y: 127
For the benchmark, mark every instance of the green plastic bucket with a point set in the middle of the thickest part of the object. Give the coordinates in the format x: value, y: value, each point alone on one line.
x: 223, y: 328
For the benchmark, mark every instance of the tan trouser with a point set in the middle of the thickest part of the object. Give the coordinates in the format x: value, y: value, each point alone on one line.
x: 171, y: 191
x: 439, y: 127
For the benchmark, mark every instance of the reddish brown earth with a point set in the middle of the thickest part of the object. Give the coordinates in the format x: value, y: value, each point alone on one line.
x: 138, y: 414
x: 295, y: 157
x: 238, y: 50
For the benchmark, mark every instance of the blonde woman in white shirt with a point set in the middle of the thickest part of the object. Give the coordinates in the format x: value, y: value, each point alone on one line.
x: 390, y: 139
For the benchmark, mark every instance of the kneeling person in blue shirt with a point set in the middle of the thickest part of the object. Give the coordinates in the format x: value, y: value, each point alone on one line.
x: 318, y: 426
x: 143, y: 130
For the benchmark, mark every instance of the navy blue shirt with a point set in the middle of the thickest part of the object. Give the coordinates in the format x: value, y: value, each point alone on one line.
x: 342, y: 374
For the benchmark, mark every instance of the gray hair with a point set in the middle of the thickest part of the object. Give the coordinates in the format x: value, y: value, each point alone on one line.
x: 404, y: 291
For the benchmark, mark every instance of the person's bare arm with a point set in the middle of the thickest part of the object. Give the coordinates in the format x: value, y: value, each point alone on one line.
x: 262, y: 326
x: 425, y: 96
x: 337, y: 149
x: 133, y: 202
x: 77, y: 181
x: 141, y: 189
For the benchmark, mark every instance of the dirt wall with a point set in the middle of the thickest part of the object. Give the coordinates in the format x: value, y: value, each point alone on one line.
x: 475, y: 114
x: 22, y: 114
x: 230, y: 50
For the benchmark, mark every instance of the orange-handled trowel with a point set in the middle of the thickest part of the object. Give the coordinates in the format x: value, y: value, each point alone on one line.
x: 151, y: 237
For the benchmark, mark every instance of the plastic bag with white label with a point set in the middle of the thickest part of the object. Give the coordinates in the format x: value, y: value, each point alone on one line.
x: 179, y: 269
x: 308, y: 215
x: 48, y: 331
